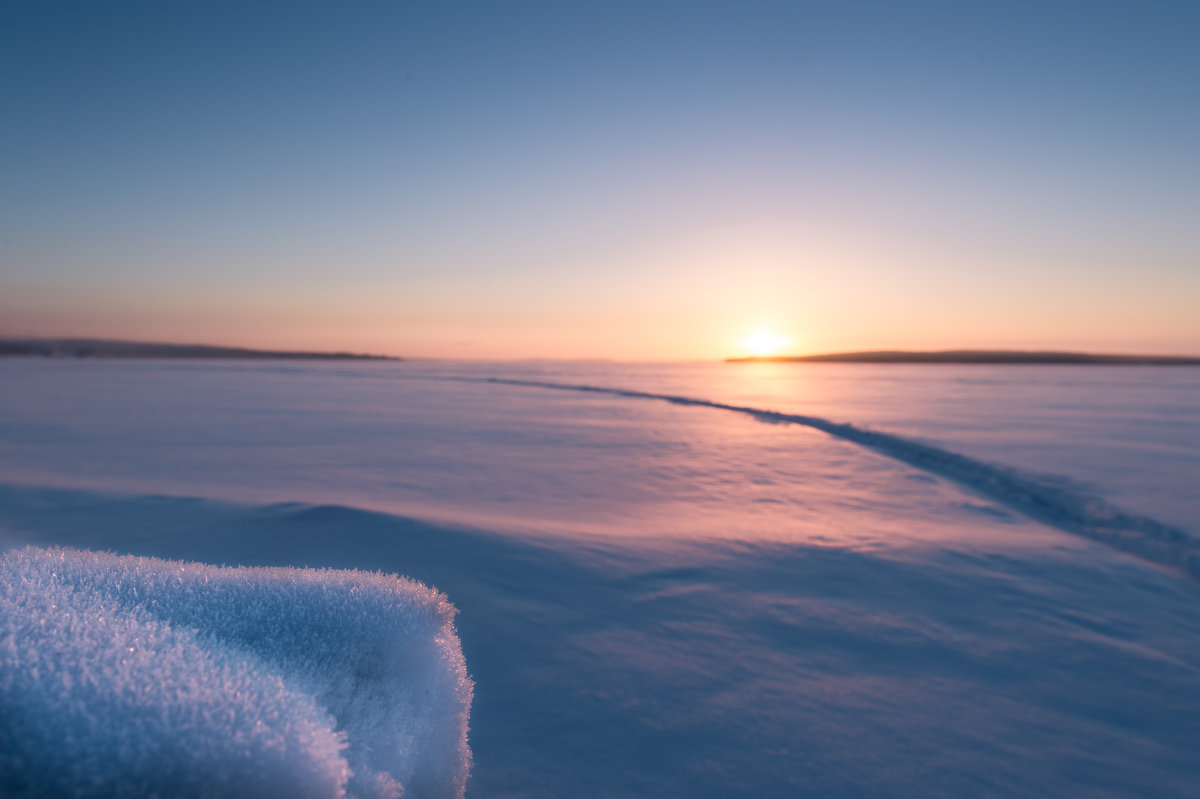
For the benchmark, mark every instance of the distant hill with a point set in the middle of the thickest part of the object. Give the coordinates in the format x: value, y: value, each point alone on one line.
x: 981, y: 357
x: 103, y: 348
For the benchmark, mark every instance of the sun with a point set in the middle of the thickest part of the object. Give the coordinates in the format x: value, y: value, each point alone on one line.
x: 763, y: 343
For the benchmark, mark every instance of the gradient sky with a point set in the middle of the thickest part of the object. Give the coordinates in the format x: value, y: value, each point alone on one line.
x: 641, y: 181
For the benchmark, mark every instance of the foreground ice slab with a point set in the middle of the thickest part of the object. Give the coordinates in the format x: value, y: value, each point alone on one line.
x: 128, y: 676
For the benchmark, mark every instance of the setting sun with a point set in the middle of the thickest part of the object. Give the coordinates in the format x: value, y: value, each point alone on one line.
x: 764, y: 342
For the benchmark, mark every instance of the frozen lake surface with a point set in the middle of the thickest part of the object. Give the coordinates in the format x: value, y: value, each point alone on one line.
x: 660, y: 598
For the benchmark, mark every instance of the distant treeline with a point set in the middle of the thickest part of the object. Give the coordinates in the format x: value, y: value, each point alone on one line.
x: 101, y: 348
x: 980, y: 356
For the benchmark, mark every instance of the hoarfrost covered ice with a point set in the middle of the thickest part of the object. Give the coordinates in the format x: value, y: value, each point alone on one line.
x: 131, y: 676
x: 666, y: 598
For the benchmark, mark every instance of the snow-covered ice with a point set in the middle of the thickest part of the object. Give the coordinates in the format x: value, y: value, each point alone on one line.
x: 832, y: 581
x: 131, y: 677
x: 1047, y: 498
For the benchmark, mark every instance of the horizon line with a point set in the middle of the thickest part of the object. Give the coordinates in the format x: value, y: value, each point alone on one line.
x: 109, y: 348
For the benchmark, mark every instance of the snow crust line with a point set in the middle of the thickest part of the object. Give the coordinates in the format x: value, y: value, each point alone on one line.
x: 1048, y: 499
x: 125, y: 676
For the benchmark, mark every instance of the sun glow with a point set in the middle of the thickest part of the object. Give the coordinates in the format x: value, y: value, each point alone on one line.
x: 762, y: 343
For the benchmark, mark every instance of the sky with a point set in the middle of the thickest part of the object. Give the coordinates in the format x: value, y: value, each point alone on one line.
x: 639, y: 181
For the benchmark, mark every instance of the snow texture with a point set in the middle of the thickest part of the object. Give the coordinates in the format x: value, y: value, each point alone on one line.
x: 129, y: 676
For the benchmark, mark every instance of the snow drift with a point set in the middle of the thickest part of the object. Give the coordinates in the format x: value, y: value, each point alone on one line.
x: 129, y: 676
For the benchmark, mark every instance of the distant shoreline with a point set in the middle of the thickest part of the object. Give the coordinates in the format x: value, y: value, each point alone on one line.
x: 103, y: 348
x: 979, y: 357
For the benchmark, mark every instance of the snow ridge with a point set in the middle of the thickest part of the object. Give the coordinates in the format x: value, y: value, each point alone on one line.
x: 128, y: 676
x: 1045, y: 498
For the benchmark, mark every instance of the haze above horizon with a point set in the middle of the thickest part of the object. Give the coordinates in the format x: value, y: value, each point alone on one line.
x: 634, y: 181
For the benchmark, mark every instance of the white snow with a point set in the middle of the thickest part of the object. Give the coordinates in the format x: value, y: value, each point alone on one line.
x: 129, y: 676
x: 656, y: 598
x: 1047, y: 498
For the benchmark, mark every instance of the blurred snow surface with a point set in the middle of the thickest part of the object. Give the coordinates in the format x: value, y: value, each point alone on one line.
x: 703, y: 597
x: 131, y: 676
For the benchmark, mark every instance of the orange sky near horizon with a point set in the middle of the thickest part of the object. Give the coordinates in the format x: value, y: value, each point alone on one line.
x: 710, y: 319
x: 694, y: 296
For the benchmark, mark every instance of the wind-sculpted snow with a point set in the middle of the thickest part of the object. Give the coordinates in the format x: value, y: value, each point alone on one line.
x: 128, y: 676
x: 1045, y: 498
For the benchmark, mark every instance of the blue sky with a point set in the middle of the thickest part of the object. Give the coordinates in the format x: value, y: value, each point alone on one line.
x: 650, y: 180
